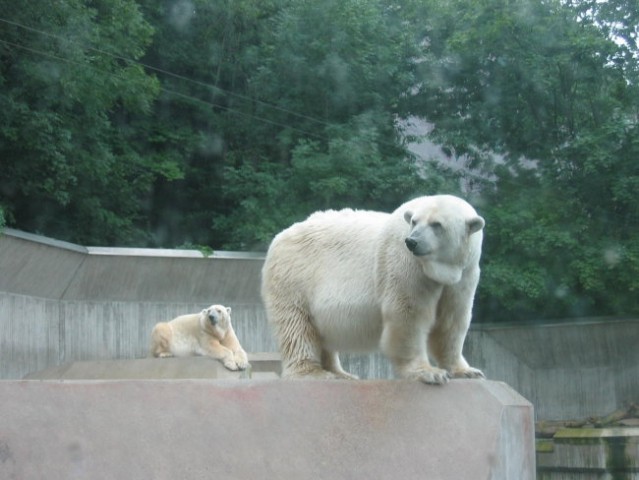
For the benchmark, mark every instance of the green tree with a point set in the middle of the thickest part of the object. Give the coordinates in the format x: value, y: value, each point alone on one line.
x: 220, y: 123
x: 282, y: 108
x: 72, y: 165
x: 336, y: 72
x: 544, y: 86
x: 203, y: 54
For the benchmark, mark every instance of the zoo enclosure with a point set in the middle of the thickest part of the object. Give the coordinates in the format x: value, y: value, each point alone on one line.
x: 61, y: 302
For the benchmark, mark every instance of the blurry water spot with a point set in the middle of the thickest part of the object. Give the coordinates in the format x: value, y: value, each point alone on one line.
x: 561, y: 291
x: 49, y: 70
x: 75, y: 452
x: 217, y: 53
x: 181, y: 14
x: 5, y: 453
x: 211, y: 145
x: 612, y: 256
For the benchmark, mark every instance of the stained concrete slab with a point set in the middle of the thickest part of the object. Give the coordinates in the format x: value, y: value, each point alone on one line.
x: 167, y: 429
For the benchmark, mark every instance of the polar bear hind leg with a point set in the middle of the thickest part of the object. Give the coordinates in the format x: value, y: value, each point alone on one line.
x: 330, y: 362
x: 300, y: 343
x: 161, y: 340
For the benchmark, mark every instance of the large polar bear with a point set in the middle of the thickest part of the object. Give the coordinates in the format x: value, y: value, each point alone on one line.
x: 208, y: 333
x: 360, y: 280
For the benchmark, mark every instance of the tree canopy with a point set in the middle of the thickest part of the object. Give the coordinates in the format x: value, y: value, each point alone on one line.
x: 218, y: 123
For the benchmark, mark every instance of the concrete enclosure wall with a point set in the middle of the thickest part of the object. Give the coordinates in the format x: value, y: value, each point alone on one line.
x: 201, y: 429
x: 61, y: 302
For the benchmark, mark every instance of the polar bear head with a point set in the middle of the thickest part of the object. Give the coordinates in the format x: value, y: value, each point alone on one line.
x: 444, y: 235
x: 216, y: 320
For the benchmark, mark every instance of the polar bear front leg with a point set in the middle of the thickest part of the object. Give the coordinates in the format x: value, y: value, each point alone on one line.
x: 233, y: 344
x: 405, y: 346
x: 241, y: 359
x: 218, y: 351
x: 446, y: 339
x: 445, y: 345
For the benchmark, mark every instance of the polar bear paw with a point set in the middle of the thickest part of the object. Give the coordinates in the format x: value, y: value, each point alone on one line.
x: 345, y: 375
x: 241, y: 360
x: 429, y: 375
x: 314, y: 375
x: 308, y: 370
x: 469, y: 372
x: 230, y: 364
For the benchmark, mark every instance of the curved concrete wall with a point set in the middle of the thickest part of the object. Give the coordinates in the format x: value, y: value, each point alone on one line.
x: 61, y: 303
x: 568, y: 370
x: 45, y: 268
x: 27, y: 263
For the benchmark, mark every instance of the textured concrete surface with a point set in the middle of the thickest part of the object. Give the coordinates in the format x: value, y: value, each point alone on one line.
x: 243, y: 429
x: 263, y: 365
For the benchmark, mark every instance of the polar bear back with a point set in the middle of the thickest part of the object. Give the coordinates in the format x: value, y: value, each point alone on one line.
x: 185, y: 331
x: 314, y: 263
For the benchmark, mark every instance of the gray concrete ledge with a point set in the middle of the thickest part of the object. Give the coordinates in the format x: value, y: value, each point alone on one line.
x: 263, y: 365
x: 602, y: 453
x: 128, y: 251
x: 48, y: 268
x: 197, y: 429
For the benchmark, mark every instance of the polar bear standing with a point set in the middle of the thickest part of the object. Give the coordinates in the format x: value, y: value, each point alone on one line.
x: 208, y: 333
x: 360, y: 281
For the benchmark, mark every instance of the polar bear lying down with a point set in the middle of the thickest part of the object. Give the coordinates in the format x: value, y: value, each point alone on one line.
x: 208, y: 333
x: 360, y: 280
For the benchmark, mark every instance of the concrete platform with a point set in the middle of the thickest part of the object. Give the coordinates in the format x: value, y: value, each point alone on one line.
x: 263, y: 366
x: 271, y: 429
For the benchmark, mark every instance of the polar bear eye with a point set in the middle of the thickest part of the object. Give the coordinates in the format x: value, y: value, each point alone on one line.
x: 436, y: 226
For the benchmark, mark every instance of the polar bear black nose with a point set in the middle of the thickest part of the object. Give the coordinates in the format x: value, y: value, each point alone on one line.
x: 213, y: 319
x: 411, y: 243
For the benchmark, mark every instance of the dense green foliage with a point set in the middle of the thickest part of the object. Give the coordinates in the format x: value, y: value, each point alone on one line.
x: 218, y: 123
x: 70, y: 167
x: 525, y: 80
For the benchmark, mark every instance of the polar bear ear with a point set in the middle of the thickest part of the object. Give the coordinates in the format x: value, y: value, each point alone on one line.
x: 475, y: 224
x: 228, y: 310
x: 408, y: 216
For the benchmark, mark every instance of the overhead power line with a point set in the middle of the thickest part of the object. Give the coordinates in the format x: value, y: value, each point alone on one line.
x: 178, y: 77
x: 166, y: 90
x: 170, y: 74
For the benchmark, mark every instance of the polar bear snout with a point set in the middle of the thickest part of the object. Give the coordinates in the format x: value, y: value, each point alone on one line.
x: 418, y: 246
x: 213, y: 318
x: 411, y: 243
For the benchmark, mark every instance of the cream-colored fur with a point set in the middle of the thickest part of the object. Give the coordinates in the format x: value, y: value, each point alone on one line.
x: 347, y: 281
x: 208, y: 333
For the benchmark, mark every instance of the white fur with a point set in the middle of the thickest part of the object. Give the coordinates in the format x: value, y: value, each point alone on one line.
x: 346, y: 281
x: 195, y: 334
